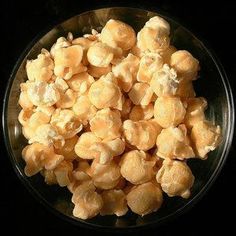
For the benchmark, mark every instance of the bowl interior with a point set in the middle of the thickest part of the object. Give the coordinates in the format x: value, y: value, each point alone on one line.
x: 210, y: 85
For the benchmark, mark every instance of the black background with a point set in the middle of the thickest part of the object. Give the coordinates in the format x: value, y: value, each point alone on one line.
x: 21, y: 21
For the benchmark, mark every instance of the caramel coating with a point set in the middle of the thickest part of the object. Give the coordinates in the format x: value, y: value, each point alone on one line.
x: 169, y: 111
x: 67, y: 99
x: 115, y: 203
x: 118, y: 34
x: 174, y: 143
x: 185, y: 89
x: 126, y: 72
x: 176, y: 178
x: 206, y: 137
x: 141, y: 112
x: 166, y: 54
x: 126, y: 108
x: 105, y: 93
x: 87, y: 201
x: 105, y: 176
x: 149, y: 64
x: 145, y: 198
x: 165, y: 82
x: 185, y: 64
x: 97, y: 72
x: 195, y: 111
x: 141, y: 94
x: 139, y: 161
x: 141, y: 134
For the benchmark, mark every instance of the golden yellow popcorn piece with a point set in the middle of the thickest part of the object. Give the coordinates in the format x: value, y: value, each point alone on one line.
x: 118, y: 34
x: 100, y: 55
x: 176, y: 178
x: 45, y: 109
x: 137, y: 167
x: 83, y: 146
x: 87, y: 201
x: 24, y: 116
x: 105, y: 176
x: 68, y: 61
x: 61, y: 42
x: 38, y: 156
x: 114, y: 203
x: 97, y: 72
x: 24, y: 101
x: 61, y: 84
x: 141, y: 134
x: 185, y: 64
x: 80, y: 82
x: 169, y: 111
x: 174, y: 143
x: 185, y: 89
x: 141, y: 94
x: 195, y: 111
x: 206, y: 137
x: 62, y: 173
x: 105, y: 93
x: 49, y: 177
x: 154, y: 36
x: 46, y: 134
x: 67, y: 151
x: 35, y: 120
x: 66, y: 123
x: 106, y: 124
x: 84, y: 109
x: 165, y: 82
x: 126, y: 72
x: 145, y: 198
x: 40, y: 69
x: 42, y: 94
x: 67, y: 99
x: 149, y: 64
x: 107, y: 149
x: 166, y: 54
x: 85, y: 43
x: 126, y: 108
x: 141, y: 112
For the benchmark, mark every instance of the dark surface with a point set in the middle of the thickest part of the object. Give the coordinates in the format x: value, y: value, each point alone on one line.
x: 20, y: 23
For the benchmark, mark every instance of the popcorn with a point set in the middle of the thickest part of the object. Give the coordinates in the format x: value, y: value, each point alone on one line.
x: 106, y: 124
x: 61, y: 85
x: 60, y: 43
x: 83, y: 146
x: 169, y: 111
x: 87, y: 202
x: 165, y: 82
x: 105, y: 176
x: 174, y: 143
x: 185, y: 89
x: 42, y: 94
x: 97, y: 72
x: 149, y: 64
x: 68, y: 61
x: 84, y: 109
x: 118, y: 34
x: 141, y: 134
x: 145, y: 198
x: 137, y: 167
x: 166, y: 54
x: 62, y: 173
x: 38, y: 156
x: 67, y: 99
x: 141, y: 93
x: 206, y: 137
x: 47, y: 135
x: 176, y: 178
x: 141, y: 112
x: 126, y: 108
x: 185, y: 64
x: 80, y: 83
x: 67, y: 151
x: 100, y: 55
x: 159, y: 23
x: 24, y: 116
x: 115, y: 203
x: 105, y: 93
x: 195, y: 111
x: 46, y: 110
x: 40, y: 69
x: 126, y: 72
x: 66, y: 123
x: 24, y: 101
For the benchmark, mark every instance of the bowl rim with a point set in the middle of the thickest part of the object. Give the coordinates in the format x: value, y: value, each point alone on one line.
x: 173, y: 215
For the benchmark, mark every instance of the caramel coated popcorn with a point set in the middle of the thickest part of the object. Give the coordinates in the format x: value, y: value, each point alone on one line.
x: 113, y: 117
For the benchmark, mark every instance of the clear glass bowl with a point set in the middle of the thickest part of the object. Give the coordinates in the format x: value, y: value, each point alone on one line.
x: 212, y: 85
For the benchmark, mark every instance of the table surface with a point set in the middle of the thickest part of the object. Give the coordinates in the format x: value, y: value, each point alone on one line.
x: 21, y: 22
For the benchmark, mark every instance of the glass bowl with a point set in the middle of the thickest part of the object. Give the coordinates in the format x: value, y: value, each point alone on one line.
x: 212, y: 84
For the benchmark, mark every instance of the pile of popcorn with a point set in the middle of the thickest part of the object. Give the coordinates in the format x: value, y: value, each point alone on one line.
x: 114, y: 118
